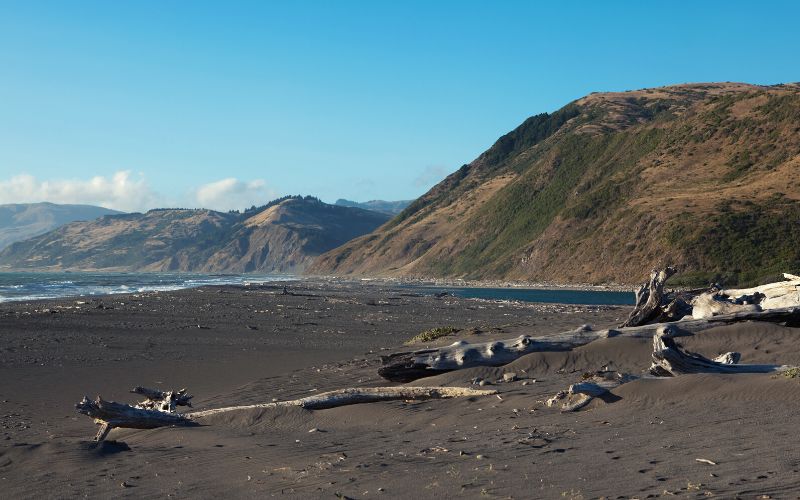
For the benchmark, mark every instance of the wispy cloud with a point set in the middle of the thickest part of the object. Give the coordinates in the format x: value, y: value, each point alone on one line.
x: 431, y: 175
x: 130, y: 192
x: 121, y: 191
x: 233, y: 194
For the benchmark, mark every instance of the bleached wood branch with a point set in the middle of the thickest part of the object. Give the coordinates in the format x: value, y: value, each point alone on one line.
x: 344, y: 397
x: 109, y: 414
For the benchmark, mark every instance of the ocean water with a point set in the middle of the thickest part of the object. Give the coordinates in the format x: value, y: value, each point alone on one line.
x: 32, y: 286
x: 560, y: 296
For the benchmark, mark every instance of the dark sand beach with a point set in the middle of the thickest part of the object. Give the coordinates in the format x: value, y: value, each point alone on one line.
x: 245, y: 345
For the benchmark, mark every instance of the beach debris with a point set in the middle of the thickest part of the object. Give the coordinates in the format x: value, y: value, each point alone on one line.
x: 705, y: 461
x: 670, y: 360
x: 780, y: 294
x: 408, y: 366
x: 110, y: 415
x: 653, y: 305
x: 159, y: 409
x: 350, y: 396
x: 161, y: 400
x: 593, y: 385
x: 650, y: 300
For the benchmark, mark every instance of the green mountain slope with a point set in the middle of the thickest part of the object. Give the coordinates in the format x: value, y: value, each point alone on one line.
x: 705, y: 176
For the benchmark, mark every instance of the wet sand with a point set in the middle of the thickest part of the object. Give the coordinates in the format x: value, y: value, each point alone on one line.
x: 243, y: 345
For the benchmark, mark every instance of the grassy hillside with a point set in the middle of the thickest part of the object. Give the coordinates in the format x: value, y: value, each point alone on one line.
x: 282, y: 236
x: 705, y: 176
x: 21, y: 221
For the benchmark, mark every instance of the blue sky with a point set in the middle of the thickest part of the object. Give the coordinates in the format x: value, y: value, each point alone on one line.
x: 223, y: 104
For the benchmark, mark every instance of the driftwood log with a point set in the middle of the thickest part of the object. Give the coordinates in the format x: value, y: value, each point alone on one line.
x: 109, y: 414
x: 670, y: 360
x: 344, y: 397
x: 689, y: 310
x: 760, y: 298
x: 654, y: 305
x: 410, y: 366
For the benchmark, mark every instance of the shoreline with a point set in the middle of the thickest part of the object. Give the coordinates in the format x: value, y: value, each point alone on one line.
x: 232, y: 345
x: 418, y: 283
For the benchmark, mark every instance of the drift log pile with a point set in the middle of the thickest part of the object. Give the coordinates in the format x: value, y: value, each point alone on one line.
x: 661, y: 315
x: 691, y: 311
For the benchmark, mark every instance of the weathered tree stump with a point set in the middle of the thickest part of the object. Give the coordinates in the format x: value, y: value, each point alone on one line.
x: 650, y: 298
x: 110, y: 415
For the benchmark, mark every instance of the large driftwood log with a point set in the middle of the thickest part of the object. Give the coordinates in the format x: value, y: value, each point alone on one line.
x: 669, y: 360
x: 760, y: 298
x: 109, y: 414
x: 654, y: 305
x: 410, y: 366
x: 344, y: 397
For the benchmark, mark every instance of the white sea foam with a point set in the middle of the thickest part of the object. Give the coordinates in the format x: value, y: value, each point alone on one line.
x: 36, y: 286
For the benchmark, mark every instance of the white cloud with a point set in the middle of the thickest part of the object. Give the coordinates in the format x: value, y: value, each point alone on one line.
x: 121, y: 191
x: 233, y: 194
x: 131, y: 193
x: 432, y: 175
